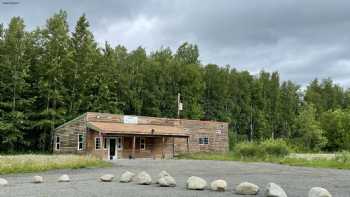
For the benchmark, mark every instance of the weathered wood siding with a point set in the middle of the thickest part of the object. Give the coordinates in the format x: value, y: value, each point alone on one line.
x: 217, y: 133
x: 68, y: 134
x: 91, y: 148
x: 153, y: 148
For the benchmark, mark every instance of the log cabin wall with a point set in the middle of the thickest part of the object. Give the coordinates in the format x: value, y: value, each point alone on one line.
x: 68, y: 134
x: 153, y: 148
x: 216, y: 132
x: 91, y: 146
x: 126, y: 152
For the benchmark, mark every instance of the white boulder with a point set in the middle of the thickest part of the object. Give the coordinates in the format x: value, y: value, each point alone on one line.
x: 126, y: 177
x: 38, y: 179
x: 143, y: 178
x: 218, y: 185
x: 196, y: 183
x: 107, y: 178
x: 319, y: 192
x: 247, y: 188
x: 64, y: 178
x: 163, y: 173
x: 274, y: 190
x: 167, y: 181
x: 3, y: 182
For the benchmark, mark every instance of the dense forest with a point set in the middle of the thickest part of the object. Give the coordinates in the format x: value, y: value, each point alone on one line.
x: 53, y: 74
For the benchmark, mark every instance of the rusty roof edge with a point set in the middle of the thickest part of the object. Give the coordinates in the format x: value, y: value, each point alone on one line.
x: 184, y: 134
x: 151, y: 125
x: 91, y: 126
x: 165, y: 118
x: 68, y: 122
x: 147, y: 134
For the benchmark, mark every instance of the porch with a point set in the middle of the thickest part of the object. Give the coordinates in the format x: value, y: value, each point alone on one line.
x: 137, y: 146
x: 129, y: 141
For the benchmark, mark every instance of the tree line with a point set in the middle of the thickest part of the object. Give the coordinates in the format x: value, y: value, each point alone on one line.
x: 50, y: 75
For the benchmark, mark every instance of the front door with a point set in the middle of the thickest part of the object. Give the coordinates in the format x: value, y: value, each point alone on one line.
x: 112, y: 148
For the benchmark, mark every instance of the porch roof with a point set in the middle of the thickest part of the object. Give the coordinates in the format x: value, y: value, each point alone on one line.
x: 137, y: 129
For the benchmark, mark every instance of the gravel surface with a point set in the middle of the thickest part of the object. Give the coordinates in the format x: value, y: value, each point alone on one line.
x: 295, y: 180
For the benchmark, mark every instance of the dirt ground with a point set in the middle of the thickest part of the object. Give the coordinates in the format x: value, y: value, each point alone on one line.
x: 295, y: 180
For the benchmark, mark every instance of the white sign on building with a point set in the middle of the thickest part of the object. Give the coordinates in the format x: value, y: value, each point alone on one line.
x: 130, y: 120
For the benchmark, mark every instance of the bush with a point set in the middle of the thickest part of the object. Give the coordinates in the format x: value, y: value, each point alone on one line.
x: 343, y: 157
x: 275, y: 148
x: 249, y: 150
x: 267, y: 148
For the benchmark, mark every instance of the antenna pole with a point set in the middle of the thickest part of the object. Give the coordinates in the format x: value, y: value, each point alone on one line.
x: 178, y: 105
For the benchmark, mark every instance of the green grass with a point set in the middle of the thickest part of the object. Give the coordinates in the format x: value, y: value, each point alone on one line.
x: 317, y: 163
x: 209, y: 156
x: 231, y: 156
x: 36, y: 163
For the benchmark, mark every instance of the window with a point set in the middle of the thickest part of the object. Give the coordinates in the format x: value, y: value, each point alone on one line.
x: 105, y: 143
x: 80, y: 141
x: 97, y: 143
x: 203, y: 140
x: 218, y: 131
x: 142, y: 143
x: 58, y: 142
x: 119, y: 143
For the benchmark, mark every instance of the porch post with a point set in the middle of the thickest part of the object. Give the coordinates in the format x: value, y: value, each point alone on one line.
x: 133, y: 146
x: 188, y: 144
x: 173, y: 147
x: 163, y: 140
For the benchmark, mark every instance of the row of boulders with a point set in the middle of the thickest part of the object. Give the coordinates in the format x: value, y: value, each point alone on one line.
x: 142, y: 178
x: 246, y: 188
x: 197, y: 183
x: 38, y: 179
x: 193, y: 183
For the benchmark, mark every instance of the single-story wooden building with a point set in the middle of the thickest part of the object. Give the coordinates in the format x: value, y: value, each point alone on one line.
x: 111, y: 136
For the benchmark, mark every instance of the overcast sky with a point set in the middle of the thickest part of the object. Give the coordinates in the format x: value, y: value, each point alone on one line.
x: 301, y: 39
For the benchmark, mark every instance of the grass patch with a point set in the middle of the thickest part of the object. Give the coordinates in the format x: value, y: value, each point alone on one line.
x: 209, y: 156
x: 36, y: 163
x: 337, y: 163
x: 230, y: 156
x: 317, y: 163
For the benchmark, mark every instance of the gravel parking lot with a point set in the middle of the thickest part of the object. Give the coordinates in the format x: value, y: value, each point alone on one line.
x: 295, y: 180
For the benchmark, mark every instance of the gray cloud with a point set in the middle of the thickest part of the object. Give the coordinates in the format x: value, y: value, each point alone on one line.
x: 300, y: 39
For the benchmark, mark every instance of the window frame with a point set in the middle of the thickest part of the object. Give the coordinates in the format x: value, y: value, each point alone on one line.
x: 119, y: 142
x: 99, y: 139
x: 203, y: 140
x: 57, y: 142
x: 105, y: 143
x: 142, y: 143
x: 80, y: 142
